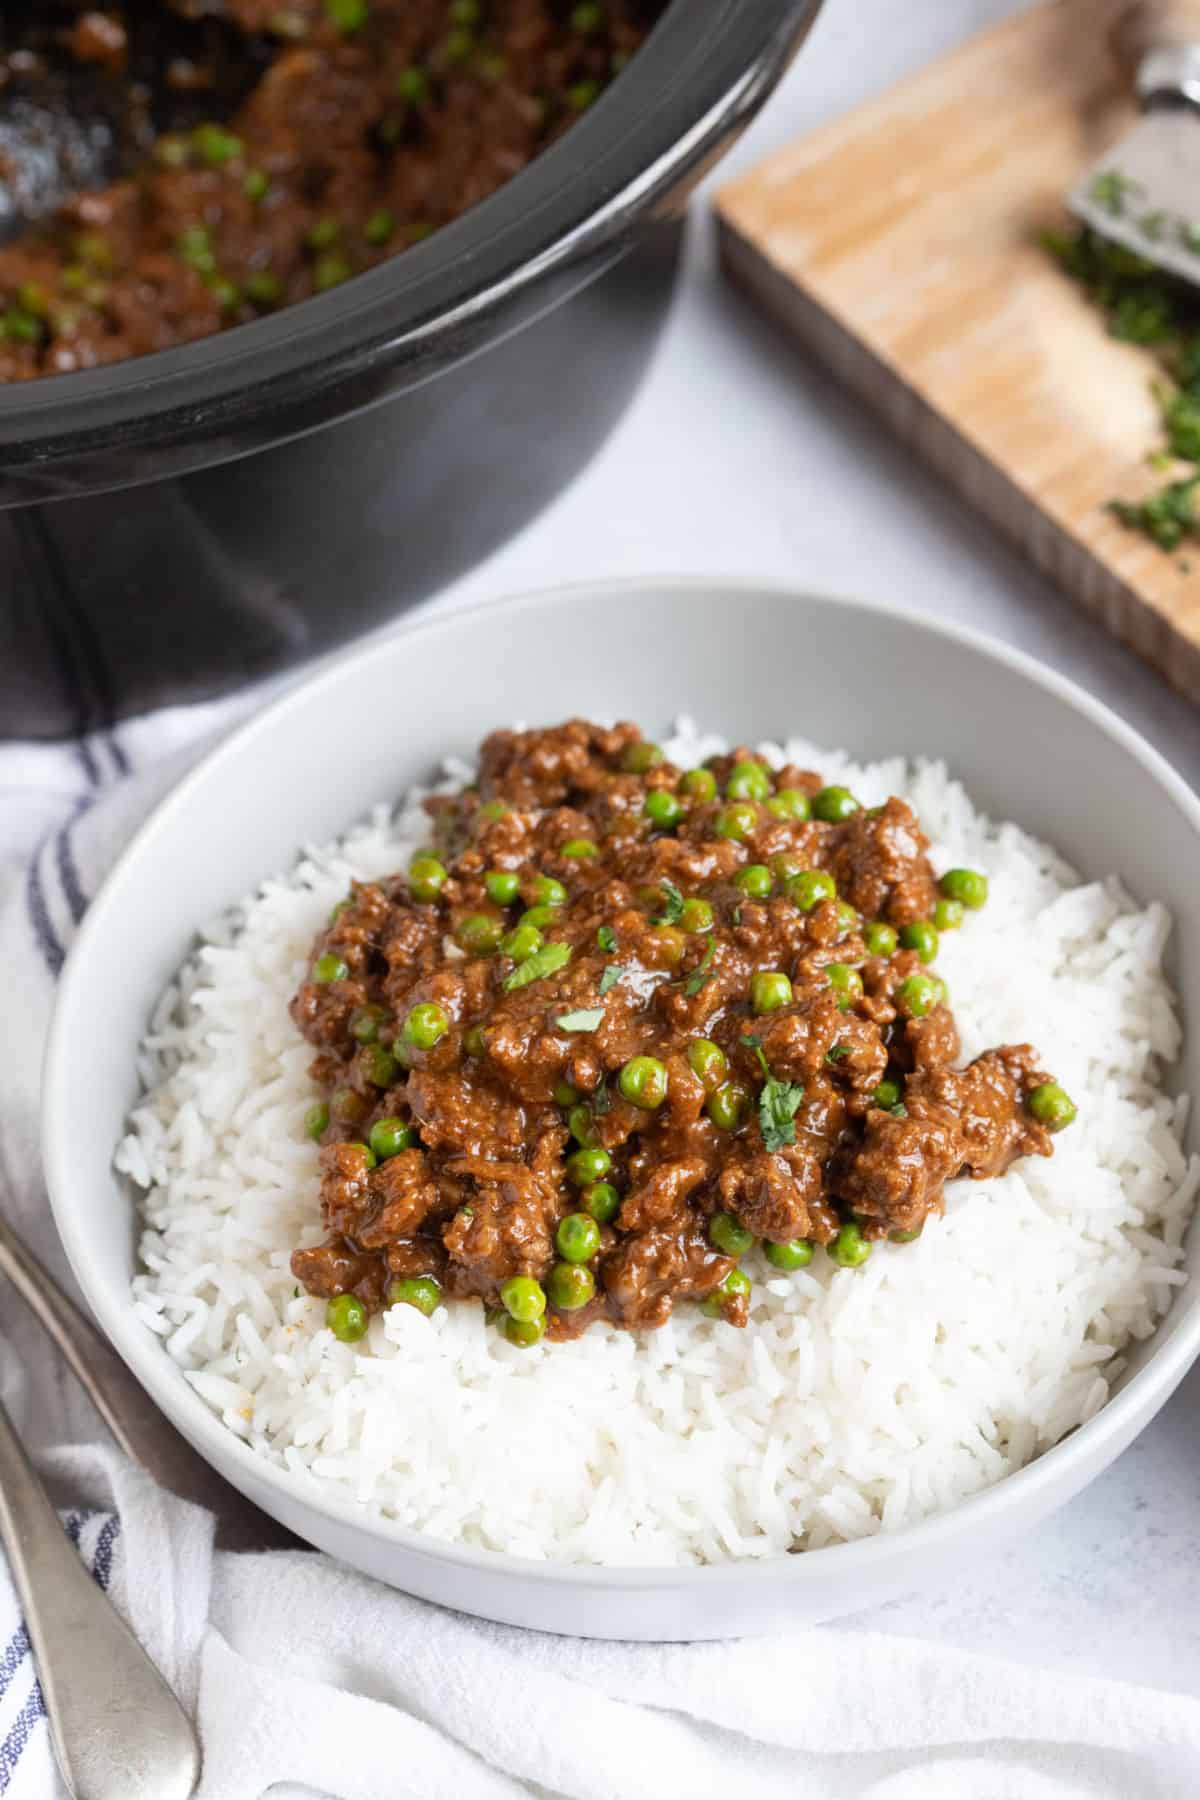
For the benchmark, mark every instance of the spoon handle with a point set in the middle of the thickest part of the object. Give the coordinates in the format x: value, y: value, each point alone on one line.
x: 118, y: 1731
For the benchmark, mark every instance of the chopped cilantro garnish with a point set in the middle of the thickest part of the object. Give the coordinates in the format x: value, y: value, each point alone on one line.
x: 701, y: 976
x: 777, y: 1106
x: 1110, y: 189
x: 606, y: 937
x: 1142, y: 305
x: 588, y: 1018
x: 836, y: 1053
x: 601, y: 1101
x: 546, y: 961
x: 672, y: 910
x: 610, y: 978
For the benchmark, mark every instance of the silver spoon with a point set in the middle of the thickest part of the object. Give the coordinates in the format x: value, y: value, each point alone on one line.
x: 117, y: 1729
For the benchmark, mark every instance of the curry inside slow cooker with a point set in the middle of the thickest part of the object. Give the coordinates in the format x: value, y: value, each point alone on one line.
x: 172, y: 168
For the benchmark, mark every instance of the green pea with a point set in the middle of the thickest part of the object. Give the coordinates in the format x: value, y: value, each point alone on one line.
x: 330, y: 270
x: 965, y: 885
x: 195, y: 247
x: 390, y: 1136
x: 346, y: 1317
x: 920, y: 936
x: 369, y: 1157
x: 381, y: 1066
x: 379, y: 226
x: 727, y: 1105
x: 747, y: 781
x: 426, y: 877
x: 493, y: 810
x: 521, y: 942
x: 582, y: 94
x: 570, y: 1286
x: 524, y: 1332
x: 948, y: 915
x: 588, y: 1164
x: 587, y: 18
x: 264, y: 288
x: 421, y: 1291
x: 522, y: 1297
x: 756, y: 880
x: 602, y: 1201
x: 847, y: 918
x: 887, y: 1094
x: 663, y: 810
x: 917, y: 996
x: 794, y: 1255
x: 365, y: 1022
x: 849, y: 1248
x: 502, y: 886
x: 425, y: 1026
x: 1052, y: 1106
x: 216, y: 145
x: 479, y: 933
x: 225, y: 293
x: 458, y: 45
x: 322, y: 233
x: 904, y: 1237
x: 347, y: 15
x: 474, y: 1042
x: 641, y: 757
x: 880, y: 938
x: 581, y: 1122
x: 412, y: 85
x: 643, y: 1082
x: 565, y: 1094
x: 810, y: 888
x: 736, y: 1282
x: 789, y: 803
x: 785, y: 866
x: 579, y: 849
x: 707, y: 1062
x: 737, y: 822
x: 846, y: 981
x: 548, y: 892
x: 834, y: 804
x: 697, y: 915
x: 316, y: 1119
x: 538, y: 916
x: 255, y: 184
x: 725, y: 1232
x: 700, y: 785
x: 329, y: 967
x: 769, y: 990
x: 577, y: 1238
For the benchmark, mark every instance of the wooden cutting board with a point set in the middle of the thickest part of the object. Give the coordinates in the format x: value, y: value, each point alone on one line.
x: 901, y: 245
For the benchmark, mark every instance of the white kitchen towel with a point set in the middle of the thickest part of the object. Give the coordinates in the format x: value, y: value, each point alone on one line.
x: 301, y: 1672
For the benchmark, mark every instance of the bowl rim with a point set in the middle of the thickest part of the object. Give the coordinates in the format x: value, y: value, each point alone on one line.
x: 1120, y: 1417
x: 683, y: 96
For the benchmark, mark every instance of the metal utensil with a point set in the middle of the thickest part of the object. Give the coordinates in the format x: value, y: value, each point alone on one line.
x: 1145, y: 194
x: 130, y: 1414
x: 117, y: 1729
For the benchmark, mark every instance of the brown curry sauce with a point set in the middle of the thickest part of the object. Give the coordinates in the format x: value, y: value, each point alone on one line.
x: 804, y: 1154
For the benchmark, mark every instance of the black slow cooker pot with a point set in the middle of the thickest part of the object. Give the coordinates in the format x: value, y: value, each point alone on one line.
x: 175, y: 525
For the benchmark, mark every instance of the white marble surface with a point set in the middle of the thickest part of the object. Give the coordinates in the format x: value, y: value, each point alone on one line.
x: 740, y: 457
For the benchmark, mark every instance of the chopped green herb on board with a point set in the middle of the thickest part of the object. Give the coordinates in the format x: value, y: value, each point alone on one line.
x: 1142, y: 305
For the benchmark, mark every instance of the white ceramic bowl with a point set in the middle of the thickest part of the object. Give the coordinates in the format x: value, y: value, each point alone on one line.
x: 746, y: 661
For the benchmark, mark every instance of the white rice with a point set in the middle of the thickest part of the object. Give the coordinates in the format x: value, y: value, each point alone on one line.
x: 855, y: 1401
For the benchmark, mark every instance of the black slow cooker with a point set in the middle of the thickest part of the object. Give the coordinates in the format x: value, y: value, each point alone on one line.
x: 175, y: 525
